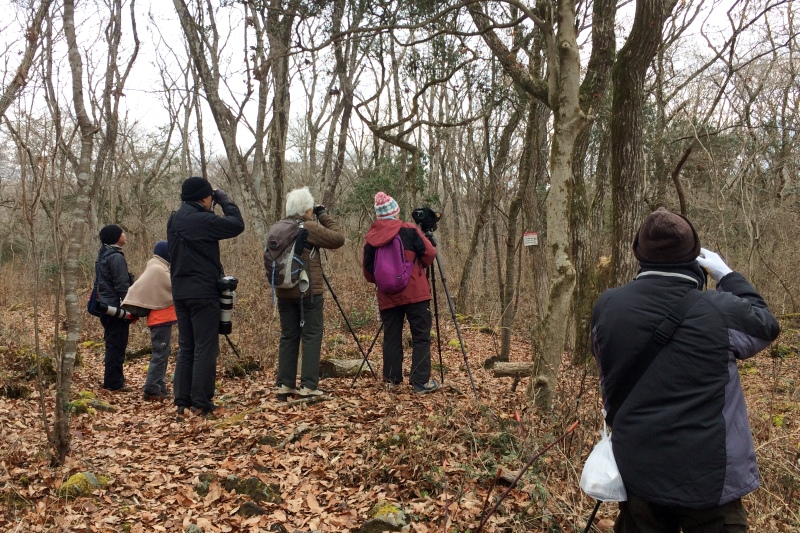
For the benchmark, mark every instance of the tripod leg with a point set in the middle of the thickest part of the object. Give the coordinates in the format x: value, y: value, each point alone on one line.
x: 458, y: 329
x: 366, y: 356
x: 232, y: 346
x: 347, y: 321
x: 432, y: 275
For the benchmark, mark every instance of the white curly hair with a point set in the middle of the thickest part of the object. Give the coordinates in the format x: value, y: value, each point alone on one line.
x: 298, y: 202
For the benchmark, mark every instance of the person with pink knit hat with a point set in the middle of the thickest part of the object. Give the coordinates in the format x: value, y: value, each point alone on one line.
x: 392, y: 243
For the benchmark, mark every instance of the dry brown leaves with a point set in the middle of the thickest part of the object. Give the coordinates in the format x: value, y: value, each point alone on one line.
x: 436, y: 456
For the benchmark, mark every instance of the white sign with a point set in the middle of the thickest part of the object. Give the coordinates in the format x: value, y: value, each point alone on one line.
x: 530, y: 238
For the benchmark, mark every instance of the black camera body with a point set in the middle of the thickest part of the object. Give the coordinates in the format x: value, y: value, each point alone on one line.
x: 227, y: 294
x: 426, y: 218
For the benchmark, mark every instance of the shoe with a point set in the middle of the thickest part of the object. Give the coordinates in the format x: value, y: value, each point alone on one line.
x: 425, y: 388
x: 155, y: 397
x: 181, y: 410
x: 284, y: 392
x: 124, y: 388
x: 309, y: 393
x: 391, y: 385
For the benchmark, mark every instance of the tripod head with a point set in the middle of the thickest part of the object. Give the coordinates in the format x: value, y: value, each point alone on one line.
x: 429, y: 236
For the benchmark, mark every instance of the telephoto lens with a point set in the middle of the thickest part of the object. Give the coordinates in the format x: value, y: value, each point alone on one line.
x: 116, y: 312
x: 227, y: 289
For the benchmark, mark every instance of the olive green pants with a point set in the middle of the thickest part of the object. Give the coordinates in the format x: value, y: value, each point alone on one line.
x: 291, y: 336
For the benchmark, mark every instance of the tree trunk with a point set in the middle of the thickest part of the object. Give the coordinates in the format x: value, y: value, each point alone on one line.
x: 31, y: 44
x: 627, y: 152
x: 72, y: 307
x: 568, y: 122
x: 495, y: 169
x: 279, y: 32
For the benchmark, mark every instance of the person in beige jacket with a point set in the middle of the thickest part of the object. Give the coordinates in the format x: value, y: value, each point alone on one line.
x: 322, y: 233
x: 153, y: 292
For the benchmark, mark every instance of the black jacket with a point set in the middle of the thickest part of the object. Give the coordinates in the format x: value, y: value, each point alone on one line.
x: 193, y: 235
x: 113, y: 278
x: 682, y: 437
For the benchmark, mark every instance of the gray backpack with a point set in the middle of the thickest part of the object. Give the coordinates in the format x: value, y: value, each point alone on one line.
x: 283, y: 255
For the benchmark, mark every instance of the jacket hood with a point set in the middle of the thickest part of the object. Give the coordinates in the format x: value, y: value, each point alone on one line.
x: 691, y: 269
x: 382, y: 231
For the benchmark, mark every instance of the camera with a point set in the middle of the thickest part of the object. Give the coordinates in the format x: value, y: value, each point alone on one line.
x: 426, y: 218
x: 116, y: 312
x: 227, y: 289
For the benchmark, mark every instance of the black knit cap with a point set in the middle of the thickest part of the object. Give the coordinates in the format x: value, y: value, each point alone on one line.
x: 110, y: 234
x: 195, y: 188
x: 666, y: 237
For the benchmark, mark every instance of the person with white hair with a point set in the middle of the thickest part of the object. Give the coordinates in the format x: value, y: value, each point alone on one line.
x: 301, y: 312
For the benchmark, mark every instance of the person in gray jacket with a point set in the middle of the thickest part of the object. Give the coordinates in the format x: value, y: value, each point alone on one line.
x: 113, y: 281
x: 681, y: 436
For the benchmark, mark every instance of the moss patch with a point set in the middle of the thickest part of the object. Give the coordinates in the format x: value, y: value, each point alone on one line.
x: 81, y: 484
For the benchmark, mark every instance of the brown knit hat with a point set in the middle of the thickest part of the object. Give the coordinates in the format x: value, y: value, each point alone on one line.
x: 666, y: 237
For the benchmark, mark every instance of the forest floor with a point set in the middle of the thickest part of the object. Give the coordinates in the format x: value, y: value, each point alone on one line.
x: 324, y: 465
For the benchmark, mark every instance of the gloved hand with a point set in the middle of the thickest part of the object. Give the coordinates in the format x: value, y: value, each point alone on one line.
x: 221, y: 197
x: 714, y: 264
x: 320, y: 210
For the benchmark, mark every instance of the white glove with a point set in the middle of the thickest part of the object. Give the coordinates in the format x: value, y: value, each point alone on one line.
x: 714, y: 264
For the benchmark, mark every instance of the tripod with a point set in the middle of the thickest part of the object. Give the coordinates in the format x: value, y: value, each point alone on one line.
x: 353, y: 333
x: 432, y: 276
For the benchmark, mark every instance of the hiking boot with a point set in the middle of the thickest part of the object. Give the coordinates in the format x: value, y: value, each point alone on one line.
x: 124, y: 388
x: 284, y: 392
x: 181, y: 410
x: 425, y: 388
x: 309, y: 393
x: 155, y: 397
x: 391, y: 385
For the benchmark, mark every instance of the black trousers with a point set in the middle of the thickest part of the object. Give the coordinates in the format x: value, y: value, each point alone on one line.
x: 115, y: 336
x: 198, y: 348
x: 419, y: 321
x: 639, y: 516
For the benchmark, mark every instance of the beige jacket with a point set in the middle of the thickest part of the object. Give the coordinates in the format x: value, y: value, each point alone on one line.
x: 153, y: 289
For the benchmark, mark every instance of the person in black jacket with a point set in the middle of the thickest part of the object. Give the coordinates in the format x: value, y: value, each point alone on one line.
x: 681, y: 436
x: 113, y: 281
x: 193, y: 235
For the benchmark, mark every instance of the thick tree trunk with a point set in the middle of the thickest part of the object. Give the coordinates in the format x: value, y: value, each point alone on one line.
x: 627, y: 152
x: 568, y: 122
x: 279, y: 32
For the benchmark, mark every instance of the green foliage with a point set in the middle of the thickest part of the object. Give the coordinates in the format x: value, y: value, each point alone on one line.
x: 385, y: 177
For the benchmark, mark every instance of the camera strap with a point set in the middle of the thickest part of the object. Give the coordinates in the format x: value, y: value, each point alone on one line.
x: 660, y: 338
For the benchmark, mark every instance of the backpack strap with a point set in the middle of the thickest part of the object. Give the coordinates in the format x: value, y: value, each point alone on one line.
x: 660, y: 338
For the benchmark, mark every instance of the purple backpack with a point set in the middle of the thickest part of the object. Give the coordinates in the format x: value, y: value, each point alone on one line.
x: 392, y: 269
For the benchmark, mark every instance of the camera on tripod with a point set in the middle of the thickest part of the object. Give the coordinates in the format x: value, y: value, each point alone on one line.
x: 426, y: 218
x: 227, y: 289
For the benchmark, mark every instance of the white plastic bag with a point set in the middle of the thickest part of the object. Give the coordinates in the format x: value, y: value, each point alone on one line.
x: 600, y: 478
